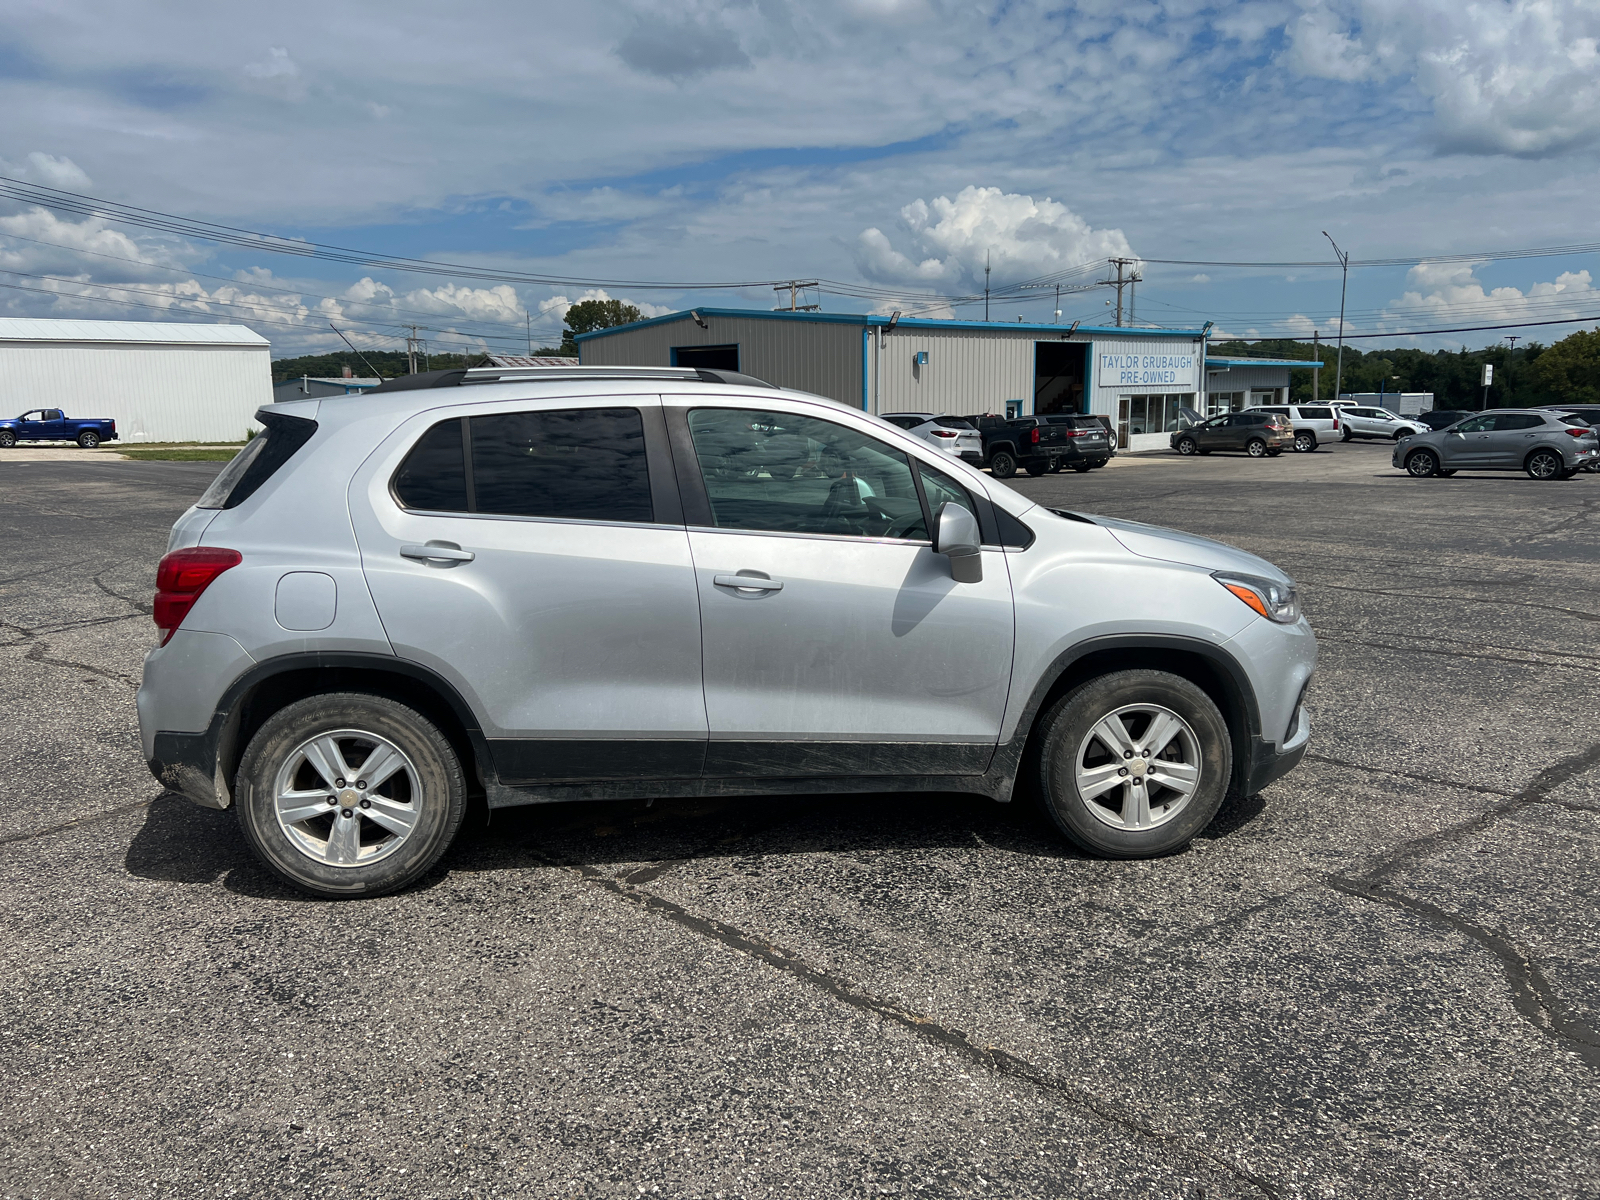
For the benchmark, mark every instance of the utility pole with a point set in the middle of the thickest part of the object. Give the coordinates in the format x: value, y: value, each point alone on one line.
x: 1058, y: 304
x: 1344, y: 263
x: 527, y: 321
x: 793, y: 287
x: 1119, y: 283
x: 413, y: 347
x: 985, y: 285
x: 1316, y: 357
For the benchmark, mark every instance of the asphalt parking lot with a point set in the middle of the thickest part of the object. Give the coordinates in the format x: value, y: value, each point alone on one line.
x: 1378, y: 978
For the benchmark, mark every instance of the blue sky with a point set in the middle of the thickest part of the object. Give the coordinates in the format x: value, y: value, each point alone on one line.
x: 889, y: 146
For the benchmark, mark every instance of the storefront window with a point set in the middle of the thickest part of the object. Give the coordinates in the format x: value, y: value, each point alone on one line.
x: 1150, y: 414
x: 1223, y: 402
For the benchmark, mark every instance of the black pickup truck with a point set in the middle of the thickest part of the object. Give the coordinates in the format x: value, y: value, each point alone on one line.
x: 1041, y: 444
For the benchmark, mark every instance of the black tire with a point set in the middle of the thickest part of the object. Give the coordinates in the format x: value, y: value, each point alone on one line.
x: 1002, y: 464
x: 1572, y: 474
x: 1187, y: 445
x: 1347, y: 436
x: 1055, y: 466
x: 1255, y: 448
x: 435, y: 796
x: 1274, y: 453
x: 1084, y: 468
x: 1544, y: 465
x: 8, y: 439
x: 1420, y: 464
x: 1305, y: 442
x: 1067, y: 739
x: 88, y: 439
x: 1035, y: 468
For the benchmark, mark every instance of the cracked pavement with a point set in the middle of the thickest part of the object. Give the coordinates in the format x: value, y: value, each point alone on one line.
x: 1379, y: 978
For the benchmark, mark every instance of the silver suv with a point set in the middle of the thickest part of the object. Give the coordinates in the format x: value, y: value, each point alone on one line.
x: 560, y: 584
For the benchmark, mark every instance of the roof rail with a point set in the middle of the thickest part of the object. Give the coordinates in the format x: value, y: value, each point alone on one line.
x: 459, y: 377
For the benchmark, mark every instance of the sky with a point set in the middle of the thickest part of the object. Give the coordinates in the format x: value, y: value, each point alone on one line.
x: 890, y: 148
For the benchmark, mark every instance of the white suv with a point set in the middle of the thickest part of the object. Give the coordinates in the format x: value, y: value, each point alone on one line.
x: 567, y: 584
x: 1376, y: 423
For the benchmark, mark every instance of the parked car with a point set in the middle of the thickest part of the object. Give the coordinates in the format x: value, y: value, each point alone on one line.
x: 1311, y: 422
x: 1031, y: 443
x: 956, y: 436
x: 359, y: 629
x: 1088, y: 442
x: 52, y: 425
x: 1442, y: 418
x: 1375, y: 423
x: 1255, y: 432
x: 1547, y: 445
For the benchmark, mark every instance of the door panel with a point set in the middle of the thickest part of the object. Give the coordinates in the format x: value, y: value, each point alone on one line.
x: 1469, y: 444
x: 580, y: 634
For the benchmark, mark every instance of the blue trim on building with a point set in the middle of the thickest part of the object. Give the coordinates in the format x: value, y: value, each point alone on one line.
x: 1264, y: 362
x: 866, y: 346
x: 871, y: 321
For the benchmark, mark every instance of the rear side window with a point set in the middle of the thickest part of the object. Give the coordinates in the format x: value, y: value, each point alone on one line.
x: 1316, y: 414
x: 586, y: 464
x: 953, y: 422
x: 906, y: 422
x: 247, y: 470
x: 1575, y: 422
x: 1507, y: 421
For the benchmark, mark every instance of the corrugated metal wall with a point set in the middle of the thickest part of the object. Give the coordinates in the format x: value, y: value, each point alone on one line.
x: 155, y: 393
x: 969, y: 370
x: 813, y: 356
x: 1242, y: 379
x: 1161, y: 366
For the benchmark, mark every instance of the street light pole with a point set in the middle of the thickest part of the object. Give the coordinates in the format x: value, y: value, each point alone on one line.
x: 1344, y: 263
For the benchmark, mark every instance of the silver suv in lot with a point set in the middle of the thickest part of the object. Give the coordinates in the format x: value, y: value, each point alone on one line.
x: 566, y: 584
x: 1547, y: 445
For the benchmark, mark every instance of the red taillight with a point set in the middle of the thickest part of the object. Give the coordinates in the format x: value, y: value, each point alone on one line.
x: 945, y: 433
x: 1034, y: 436
x: 180, y: 579
x: 1336, y: 423
x: 1579, y: 432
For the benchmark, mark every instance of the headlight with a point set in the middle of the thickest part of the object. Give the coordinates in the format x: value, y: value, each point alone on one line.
x: 1275, y: 601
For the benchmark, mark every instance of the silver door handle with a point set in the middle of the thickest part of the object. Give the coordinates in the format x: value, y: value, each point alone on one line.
x: 437, y: 552
x: 752, y: 583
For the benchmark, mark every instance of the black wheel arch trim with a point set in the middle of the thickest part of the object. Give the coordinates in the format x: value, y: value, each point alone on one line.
x: 199, y: 765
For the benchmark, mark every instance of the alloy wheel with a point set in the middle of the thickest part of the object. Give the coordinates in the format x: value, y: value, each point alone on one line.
x: 1138, y: 767
x: 347, y: 798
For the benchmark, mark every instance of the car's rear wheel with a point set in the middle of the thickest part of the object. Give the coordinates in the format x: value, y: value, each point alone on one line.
x: 349, y: 794
x: 1036, y: 468
x: 1305, y: 443
x: 1082, y: 468
x: 1188, y: 445
x: 1347, y: 436
x: 88, y: 439
x: 1422, y: 463
x: 1002, y: 464
x: 1134, y: 764
x: 1055, y: 466
x: 1255, y: 448
x: 7, y: 439
x: 1544, y: 464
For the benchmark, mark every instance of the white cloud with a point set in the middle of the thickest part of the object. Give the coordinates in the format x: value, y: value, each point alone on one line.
x: 557, y: 306
x: 278, y: 75
x: 1513, y: 77
x: 1451, y: 293
x: 56, y: 172
x: 37, y: 240
x: 951, y: 240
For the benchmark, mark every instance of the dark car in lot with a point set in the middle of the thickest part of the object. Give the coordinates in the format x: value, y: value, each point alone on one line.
x: 1547, y: 445
x: 53, y: 425
x: 1443, y: 418
x: 1041, y: 444
x: 1259, y: 434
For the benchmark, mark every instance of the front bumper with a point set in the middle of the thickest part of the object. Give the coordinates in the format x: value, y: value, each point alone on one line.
x: 1269, y: 762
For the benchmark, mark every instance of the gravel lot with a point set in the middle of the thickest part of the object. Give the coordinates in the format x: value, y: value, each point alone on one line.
x: 1378, y: 978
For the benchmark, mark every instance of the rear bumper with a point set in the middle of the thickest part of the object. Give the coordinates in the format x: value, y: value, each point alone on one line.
x: 975, y: 457
x: 186, y: 763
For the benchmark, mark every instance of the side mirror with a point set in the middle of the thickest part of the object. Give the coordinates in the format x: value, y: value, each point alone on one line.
x: 956, y: 536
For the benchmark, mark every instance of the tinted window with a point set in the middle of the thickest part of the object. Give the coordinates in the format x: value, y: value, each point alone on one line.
x: 52, y: 414
x: 1517, y: 421
x: 581, y: 464
x: 1476, y: 425
x: 1273, y: 409
x: 1575, y: 421
x: 940, y: 489
x: 1316, y: 414
x: 793, y: 474
x: 905, y: 422
x: 434, y: 475
x: 953, y: 422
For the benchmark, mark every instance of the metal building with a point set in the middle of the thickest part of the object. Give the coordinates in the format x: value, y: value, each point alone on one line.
x: 1136, y: 378
x: 160, y: 381
x: 1235, y: 383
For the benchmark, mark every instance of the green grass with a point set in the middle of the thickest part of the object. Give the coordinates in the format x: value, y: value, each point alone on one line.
x: 178, y: 454
x: 119, y: 446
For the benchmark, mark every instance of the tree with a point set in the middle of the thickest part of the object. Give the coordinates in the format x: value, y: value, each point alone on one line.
x: 1570, y: 369
x: 589, y: 315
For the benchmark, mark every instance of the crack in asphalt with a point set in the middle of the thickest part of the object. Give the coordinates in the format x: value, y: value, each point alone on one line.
x: 138, y: 606
x: 1450, y: 783
x: 1520, y: 662
x: 1531, y: 993
x: 991, y: 1058
x: 1579, y: 613
x: 38, y: 655
x: 1343, y: 631
x: 76, y: 822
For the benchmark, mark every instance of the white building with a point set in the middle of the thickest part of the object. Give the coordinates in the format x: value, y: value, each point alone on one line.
x: 1235, y: 383
x: 1136, y: 378
x: 160, y: 381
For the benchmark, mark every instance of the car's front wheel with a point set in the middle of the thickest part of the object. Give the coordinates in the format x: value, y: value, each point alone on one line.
x: 7, y: 439
x: 1188, y: 445
x: 349, y: 794
x: 1256, y: 448
x: 1305, y: 443
x: 1134, y: 764
x: 1422, y: 463
x: 1544, y: 464
x: 1002, y: 464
